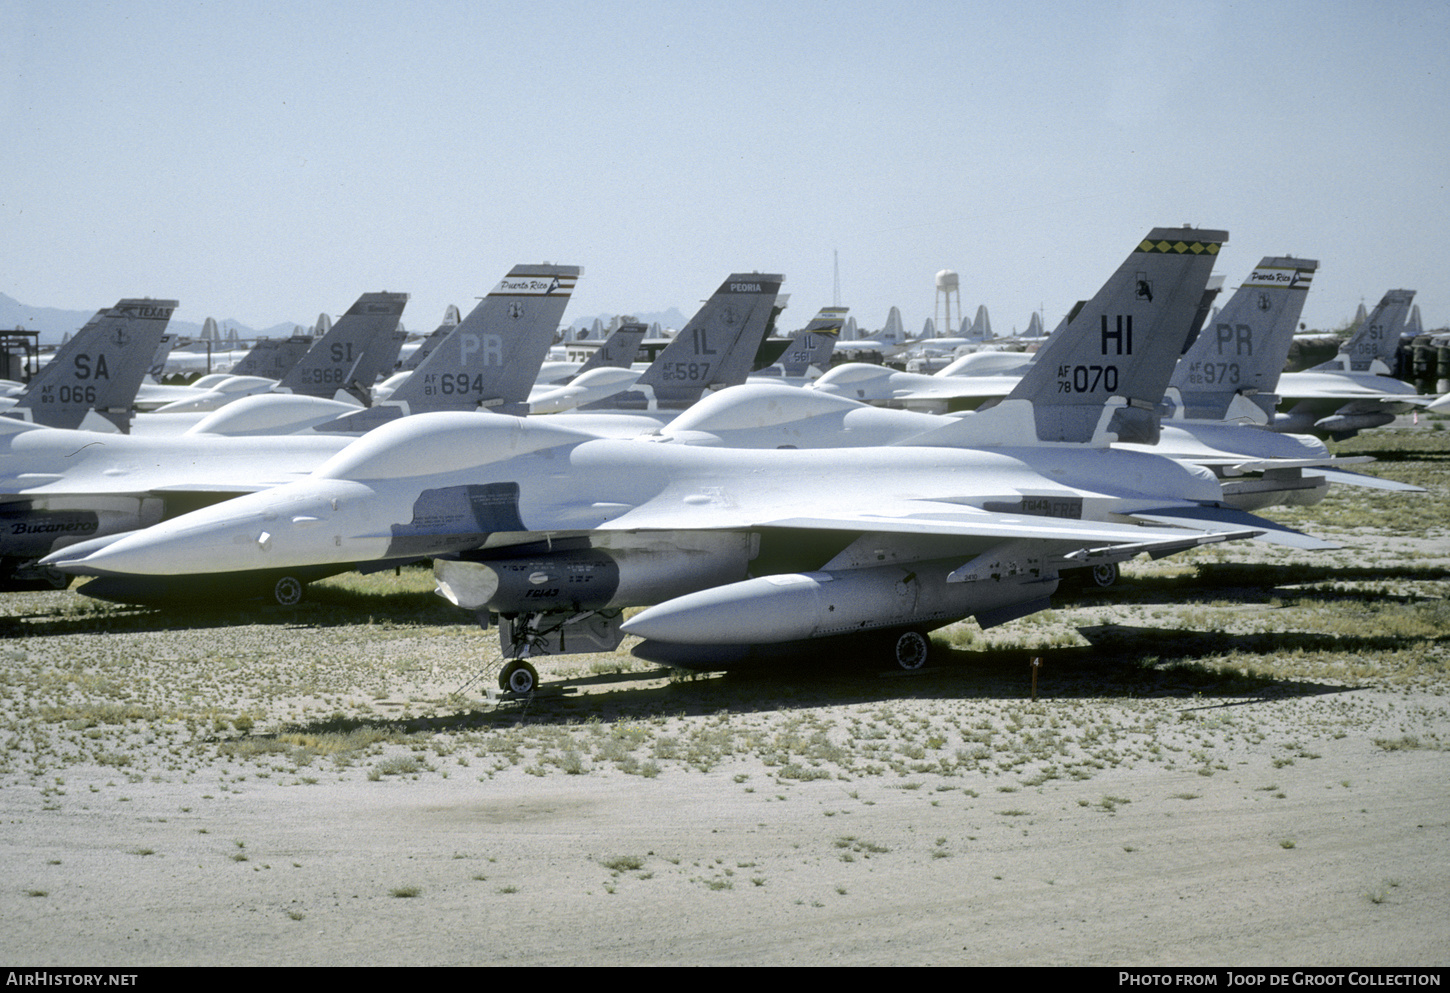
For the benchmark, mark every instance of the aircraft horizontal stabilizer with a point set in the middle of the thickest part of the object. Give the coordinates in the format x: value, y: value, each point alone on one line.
x: 1345, y: 478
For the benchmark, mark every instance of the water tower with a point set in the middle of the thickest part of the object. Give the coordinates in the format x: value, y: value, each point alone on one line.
x: 946, y: 287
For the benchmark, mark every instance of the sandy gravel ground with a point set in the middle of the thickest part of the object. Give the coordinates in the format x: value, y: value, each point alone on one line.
x: 1213, y: 775
x: 516, y: 870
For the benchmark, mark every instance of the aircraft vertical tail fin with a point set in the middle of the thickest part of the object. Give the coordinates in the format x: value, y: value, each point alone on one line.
x: 491, y: 359
x: 1101, y: 378
x: 618, y: 350
x: 273, y: 358
x: 813, y: 347
x: 99, y: 369
x: 339, y: 359
x: 1372, y: 348
x: 425, y: 347
x: 1205, y: 307
x: 717, y: 346
x: 1413, y: 326
x: 159, y: 357
x: 982, y: 326
x: 1243, y: 349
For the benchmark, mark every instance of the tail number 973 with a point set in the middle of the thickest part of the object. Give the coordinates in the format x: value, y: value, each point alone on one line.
x: 1086, y: 378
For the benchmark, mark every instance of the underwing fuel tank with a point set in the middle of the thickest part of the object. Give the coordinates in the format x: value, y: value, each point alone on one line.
x: 1344, y: 425
x: 649, y: 569
x: 800, y: 606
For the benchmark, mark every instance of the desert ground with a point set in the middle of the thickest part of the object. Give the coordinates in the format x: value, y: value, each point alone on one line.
x: 1237, y: 756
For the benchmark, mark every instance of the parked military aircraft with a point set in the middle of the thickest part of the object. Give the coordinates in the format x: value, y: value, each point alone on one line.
x: 713, y: 350
x: 93, y: 379
x: 60, y: 487
x: 809, y: 354
x: 414, y: 358
x: 486, y: 362
x: 259, y: 371
x: 556, y: 530
x: 342, y: 364
x: 609, y: 368
x: 1220, y: 397
x: 618, y: 351
x: 966, y: 383
x: 1356, y: 389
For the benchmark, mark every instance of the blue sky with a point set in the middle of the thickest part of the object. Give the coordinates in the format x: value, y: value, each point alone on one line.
x: 267, y: 161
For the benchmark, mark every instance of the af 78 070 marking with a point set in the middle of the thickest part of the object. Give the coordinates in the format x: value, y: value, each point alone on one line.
x: 1087, y: 378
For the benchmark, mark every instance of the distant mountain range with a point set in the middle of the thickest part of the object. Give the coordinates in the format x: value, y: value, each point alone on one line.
x: 54, y: 323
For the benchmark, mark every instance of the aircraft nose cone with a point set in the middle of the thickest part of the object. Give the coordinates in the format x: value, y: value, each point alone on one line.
x: 281, y: 528
x: 148, y: 553
x: 73, y: 559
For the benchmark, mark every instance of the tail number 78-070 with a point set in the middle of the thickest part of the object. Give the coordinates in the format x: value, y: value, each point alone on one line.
x: 1086, y: 378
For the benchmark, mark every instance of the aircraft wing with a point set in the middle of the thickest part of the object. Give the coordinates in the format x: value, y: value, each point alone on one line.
x: 234, y: 487
x: 970, y: 388
x: 1223, y: 518
x: 53, y: 462
x: 1345, y: 478
x: 922, y: 517
x: 1296, y: 386
x: 1369, y: 403
x: 1243, y: 467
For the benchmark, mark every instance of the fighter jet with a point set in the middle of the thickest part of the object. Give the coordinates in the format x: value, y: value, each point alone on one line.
x: 414, y: 358
x: 713, y: 350
x: 808, y: 355
x: 555, y: 530
x: 1219, y: 399
x: 967, y: 383
x: 618, y: 351
x: 412, y: 355
x: 486, y: 362
x: 259, y: 370
x: 1356, y: 389
x: 340, y: 365
x: 93, y: 379
x: 63, y: 488
x: 60, y: 487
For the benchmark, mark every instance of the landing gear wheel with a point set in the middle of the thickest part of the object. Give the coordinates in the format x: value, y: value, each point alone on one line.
x: 911, y: 650
x: 1103, y: 576
x: 288, y: 591
x: 518, y: 677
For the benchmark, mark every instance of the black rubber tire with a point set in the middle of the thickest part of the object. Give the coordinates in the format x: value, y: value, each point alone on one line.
x: 287, y: 591
x: 518, y: 677
x: 911, y: 650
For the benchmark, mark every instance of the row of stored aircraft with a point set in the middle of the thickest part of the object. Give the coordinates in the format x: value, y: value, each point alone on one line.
x: 762, y: 517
